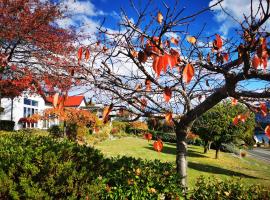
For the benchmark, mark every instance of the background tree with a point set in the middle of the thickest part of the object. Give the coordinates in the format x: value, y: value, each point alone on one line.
x: 156, y: 68
x: 31, y: 40
x: 224, y: 124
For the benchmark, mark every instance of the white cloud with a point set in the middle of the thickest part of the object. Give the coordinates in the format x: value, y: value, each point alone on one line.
x: 237, y: 9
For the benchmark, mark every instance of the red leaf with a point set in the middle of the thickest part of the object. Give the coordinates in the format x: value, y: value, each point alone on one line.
x: 264, y: 60
x: 255, y: 61
x: 141, y: 40
x: 226, y: 57
x: 143, y: 103
x: 158, y: 145
x: 236, y: 120
x: 188, y: 73
x: 80, y: 51
x: 263, y: 109
x: 87, y: 54
x: 217, y: 44
x: 106, y: 113
x: 148, y: 85
x: 234, y: 101
x: 148, y: 136
x: 267, y: 131
x: 142, y: 57
x: 167, y: 94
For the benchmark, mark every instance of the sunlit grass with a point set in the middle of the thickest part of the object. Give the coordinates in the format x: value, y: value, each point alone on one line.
x: 248, y: 169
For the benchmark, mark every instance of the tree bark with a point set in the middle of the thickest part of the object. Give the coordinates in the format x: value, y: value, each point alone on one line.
x: 205, y: 148
x: 217, y: 152
x: 11, y: 110
x: 181, y: 152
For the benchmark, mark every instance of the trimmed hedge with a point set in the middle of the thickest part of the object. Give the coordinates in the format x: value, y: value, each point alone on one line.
x: 213, y: 188
x: 7, y: 125
x: 46, y: 168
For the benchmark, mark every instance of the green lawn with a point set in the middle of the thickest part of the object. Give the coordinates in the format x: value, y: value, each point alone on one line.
x: 248, y: 169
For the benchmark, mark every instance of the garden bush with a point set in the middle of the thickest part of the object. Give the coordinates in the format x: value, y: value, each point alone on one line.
x: 46, y: 168
x: 166, y: 137
x: 213, y: 188
x: 55, y: 131
x: 7, y: 125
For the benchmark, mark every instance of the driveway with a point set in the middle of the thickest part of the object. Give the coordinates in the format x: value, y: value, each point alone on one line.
x: 261, y: 154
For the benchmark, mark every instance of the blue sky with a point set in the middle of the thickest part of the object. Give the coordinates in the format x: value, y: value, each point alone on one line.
x: 88, y: 14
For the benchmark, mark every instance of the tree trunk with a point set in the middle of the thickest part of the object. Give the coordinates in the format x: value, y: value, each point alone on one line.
x: 181, y: 153
x: 206, y: 147
x: 65, y: 129
x: 217, y: 152
x: 11, y: 110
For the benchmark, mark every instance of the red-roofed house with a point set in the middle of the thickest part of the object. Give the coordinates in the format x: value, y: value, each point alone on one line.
x: 71, y: 101
x: 27, y: 105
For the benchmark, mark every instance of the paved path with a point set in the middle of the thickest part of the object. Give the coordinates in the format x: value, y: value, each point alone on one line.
x: 262, y: 154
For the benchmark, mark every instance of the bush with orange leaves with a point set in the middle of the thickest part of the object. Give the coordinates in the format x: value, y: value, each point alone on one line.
x: 71, y: 115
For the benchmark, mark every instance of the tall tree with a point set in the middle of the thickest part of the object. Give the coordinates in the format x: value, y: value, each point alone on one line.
x: 224, y: 123
x: 31, y: 40
x: 154, y: 69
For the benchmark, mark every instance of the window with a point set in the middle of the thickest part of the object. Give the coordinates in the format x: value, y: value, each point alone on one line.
x: 30, y: 102
x: 34, y: 103
x: 27, y: 101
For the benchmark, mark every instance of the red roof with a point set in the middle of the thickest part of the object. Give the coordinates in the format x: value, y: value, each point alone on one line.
x: 72, y: 101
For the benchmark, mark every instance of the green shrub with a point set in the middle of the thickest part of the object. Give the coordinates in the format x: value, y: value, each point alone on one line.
x: 166, y: 137
x: 55, y: 131
x: 121, y: 126
x: 212, y: 189
x: 7, y: 125
x: 82, y: 133
x: 46, y: 168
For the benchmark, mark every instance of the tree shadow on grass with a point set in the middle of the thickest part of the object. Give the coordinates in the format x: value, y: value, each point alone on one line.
x: 172, y: 150
x: 216, y: 170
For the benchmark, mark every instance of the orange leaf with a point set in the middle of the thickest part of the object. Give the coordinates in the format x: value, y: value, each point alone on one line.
x: 168, y: 118
x: 267, y: 131
x: 255, y: 61
x: 191, y: 40
x: 55, y: 99
x: 234, y: 101
x: 188, y: 73
x: 148, y: 85
x: 80, y: 51
x: 263, y: 109
x: 159, y: 18
x: 167, y: 94
x: 87, y: 54
x: 217, y: 44
x: 158, y: 145
x: 138, y: 87
x: 174, y: 41
x: 106, y: 113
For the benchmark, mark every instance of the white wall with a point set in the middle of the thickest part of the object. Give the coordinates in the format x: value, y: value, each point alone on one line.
x: 18, y: 108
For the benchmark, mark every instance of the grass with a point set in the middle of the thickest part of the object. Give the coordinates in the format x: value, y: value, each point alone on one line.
x: 251, y: 171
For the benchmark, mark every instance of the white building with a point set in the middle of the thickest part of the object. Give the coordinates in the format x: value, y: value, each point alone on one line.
x: 27, y: 105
